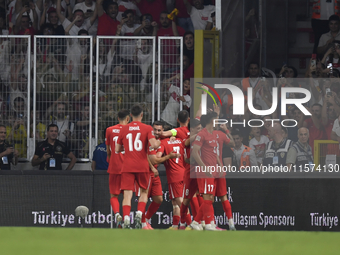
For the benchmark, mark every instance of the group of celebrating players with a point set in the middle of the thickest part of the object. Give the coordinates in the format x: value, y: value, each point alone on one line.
x: 135, y: 150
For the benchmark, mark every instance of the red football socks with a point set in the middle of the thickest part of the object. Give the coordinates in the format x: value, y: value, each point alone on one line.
x: 175, y: 220
x: 126, y: 210
x: 199, y: 215
x: 141, y: 207
x: 188, y: 219
x: 227, y: 209
x: 153, y: 207
x: 208, y: 211
x: 194, y: 206
x: 184, y: 210
x: 114, y: 204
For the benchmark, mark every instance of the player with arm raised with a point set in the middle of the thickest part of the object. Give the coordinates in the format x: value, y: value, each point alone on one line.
x: 174, y: 174
x: 155, y: 190
x: 134, y: 138
x: 205, y: 154
x: 115, y: 162
x: 183, y: 131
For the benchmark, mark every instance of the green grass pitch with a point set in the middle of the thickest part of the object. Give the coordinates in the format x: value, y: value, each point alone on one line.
x: 63, y: 241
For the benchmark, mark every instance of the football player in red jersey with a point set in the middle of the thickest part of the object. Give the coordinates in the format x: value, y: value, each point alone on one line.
x: 183, y: 131
x: 205, y: 154
x: 155, y: 190
x: 134, y: 139
x: 174, y: 173
x: 115, y: 162
x: 190, y: 183
x: 224, y: 138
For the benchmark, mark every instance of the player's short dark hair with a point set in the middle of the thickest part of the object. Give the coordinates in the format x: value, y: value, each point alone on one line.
x: 205, y: 119
x: 1, y: 125
x: 136, y: 110
x: 83, y: 31
x: 194, y: 123
x: 158, y: 123
x: 128, y: 11
x: 183, y: 116
x: 167, y: 127
x: 51, y: 126
x: 107, y: 3
x: 122, y: 114
x: 334, y: 18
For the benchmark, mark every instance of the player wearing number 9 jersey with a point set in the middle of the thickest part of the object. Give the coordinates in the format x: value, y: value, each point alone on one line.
x: 134, y: 139
x: 115, y: 162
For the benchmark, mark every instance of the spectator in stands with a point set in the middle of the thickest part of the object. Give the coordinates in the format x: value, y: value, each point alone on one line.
x: 245, y: 155
x: 330, y: 111
x: 53, y: 19
x: 124, y: 5
x: 144, y: 58
x: 169, y: 48
x: 258, y: 143
x: 16, y: 133
x: 63, y: 122
x: 189, y: 43
x: 300, y: 154
x: 88, y: 7
x: 183, y: 18
x: 322, y: 10
x: 127, y: 46
x: 314, y: 125
x: 24, y: 25
x: 200, y: 14
x: 107, y: 22
x: 327, y: 39
x: 79, y: 22
x: 8, y: 154
x: 147, y: 28
x: 82, y: 133
x: 99, y: 159
x: 154, y: 7
x: 40, y: 128
x: 188, y: 68
x: 253, y: 79
x: 49, y: 153
x: 169, y: 115
x: 332, y: 56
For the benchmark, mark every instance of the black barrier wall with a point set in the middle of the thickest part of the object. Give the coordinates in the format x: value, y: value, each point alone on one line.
x: 36, y: 198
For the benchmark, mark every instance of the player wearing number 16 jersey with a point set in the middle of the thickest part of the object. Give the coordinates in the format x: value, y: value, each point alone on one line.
x: 134, y: 139
x: 115, y: 162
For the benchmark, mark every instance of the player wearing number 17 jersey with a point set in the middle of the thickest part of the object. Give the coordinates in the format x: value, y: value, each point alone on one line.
x: 134, y: 139
x: 205, y: 154
x: 115, y: 162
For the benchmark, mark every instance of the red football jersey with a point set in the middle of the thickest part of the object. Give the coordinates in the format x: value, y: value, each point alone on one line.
x: 116, y: 159
x: 174, y: 167
x: 222, y: 139
x: 187, y: 155
x: 135, y: 138
x: 152, y: 151
x: 208, y: 143
x: 182, y: 133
